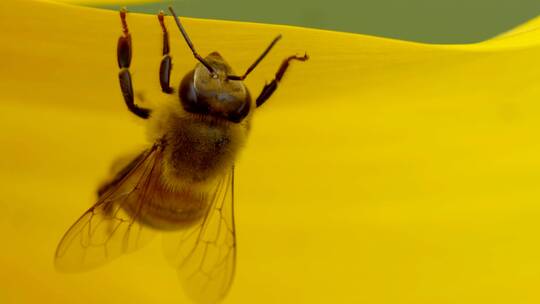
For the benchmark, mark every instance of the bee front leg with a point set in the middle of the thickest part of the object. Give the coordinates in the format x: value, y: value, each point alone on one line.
x: 269, y: 88
x: 166, y: 62
x: 123, y: 55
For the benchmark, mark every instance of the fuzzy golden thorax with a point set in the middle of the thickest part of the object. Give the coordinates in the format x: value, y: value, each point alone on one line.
x: 199, y: 147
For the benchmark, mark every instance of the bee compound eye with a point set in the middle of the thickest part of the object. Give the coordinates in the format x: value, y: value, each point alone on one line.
x: 189, y: 97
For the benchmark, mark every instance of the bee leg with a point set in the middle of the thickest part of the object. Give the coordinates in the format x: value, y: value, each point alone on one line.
x: 166, y: 62
x: 269, y: 88
x: 119, y: 169
x: 123, y: 55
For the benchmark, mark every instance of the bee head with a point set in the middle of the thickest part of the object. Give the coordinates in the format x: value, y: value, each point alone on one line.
x: 212, y: 88
x: 212, y: 92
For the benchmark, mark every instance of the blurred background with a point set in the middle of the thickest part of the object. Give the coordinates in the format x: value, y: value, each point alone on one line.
x: 432, y: 21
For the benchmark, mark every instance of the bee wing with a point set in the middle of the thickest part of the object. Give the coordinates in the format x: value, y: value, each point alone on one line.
x: 106, y: 230
x: 205, y: 254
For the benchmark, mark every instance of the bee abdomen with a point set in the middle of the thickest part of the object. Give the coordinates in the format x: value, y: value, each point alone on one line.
x: 168, y: 209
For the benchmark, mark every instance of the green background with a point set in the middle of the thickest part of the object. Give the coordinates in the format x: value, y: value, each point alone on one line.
x: 435, y: 21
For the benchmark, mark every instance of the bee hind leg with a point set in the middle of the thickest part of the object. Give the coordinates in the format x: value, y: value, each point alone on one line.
x: 123, y: 55
x: 271, y: 87
x: 119, y: 169
x: 166, y: 61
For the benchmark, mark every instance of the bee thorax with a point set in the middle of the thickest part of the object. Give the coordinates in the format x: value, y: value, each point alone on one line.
x: 199, y: 150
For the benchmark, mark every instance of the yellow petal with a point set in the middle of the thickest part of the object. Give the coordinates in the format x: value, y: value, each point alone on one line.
x: 381, y: 171
x: 101, y: 2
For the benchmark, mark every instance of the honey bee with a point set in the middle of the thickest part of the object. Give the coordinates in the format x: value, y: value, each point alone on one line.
x: 183, y: 184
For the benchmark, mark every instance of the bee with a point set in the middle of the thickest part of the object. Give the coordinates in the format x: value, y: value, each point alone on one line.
x: 183, y: 184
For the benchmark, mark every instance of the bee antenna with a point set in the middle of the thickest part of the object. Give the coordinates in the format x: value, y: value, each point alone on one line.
x: 254, y: 64
x: 190, y: 44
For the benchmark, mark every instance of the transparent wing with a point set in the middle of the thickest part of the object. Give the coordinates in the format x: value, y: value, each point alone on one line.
x: 205, y: 254
x: 109, y: 229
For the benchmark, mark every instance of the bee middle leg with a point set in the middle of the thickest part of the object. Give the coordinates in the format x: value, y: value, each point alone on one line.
x: 271, y: 87
x: 123, y: 55
x: 166, y: 62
